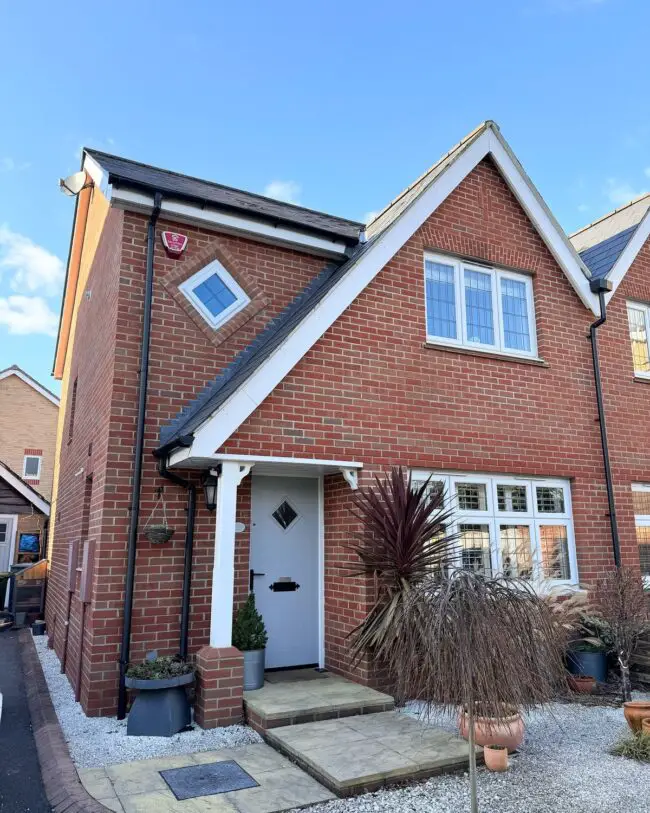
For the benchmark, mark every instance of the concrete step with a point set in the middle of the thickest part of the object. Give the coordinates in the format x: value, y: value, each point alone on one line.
x: 363, y: 753
x: 292, y: 702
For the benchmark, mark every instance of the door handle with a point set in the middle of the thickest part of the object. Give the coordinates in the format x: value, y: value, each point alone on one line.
x: 251, y: 580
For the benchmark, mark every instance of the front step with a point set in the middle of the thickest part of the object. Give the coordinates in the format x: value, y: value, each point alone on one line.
x: 294, y: 702
x: 364, y: 753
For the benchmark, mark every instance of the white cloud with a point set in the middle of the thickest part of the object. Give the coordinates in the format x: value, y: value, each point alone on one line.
x: 583, y: 207
x: 8, y: 164
x: 31, y: 267
x: 620, y: 192
x: 369, y: 217
x: 287, y: 191
x: 22, y: 315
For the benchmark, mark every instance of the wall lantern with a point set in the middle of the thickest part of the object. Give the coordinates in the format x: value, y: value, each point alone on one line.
x: 210, y: 484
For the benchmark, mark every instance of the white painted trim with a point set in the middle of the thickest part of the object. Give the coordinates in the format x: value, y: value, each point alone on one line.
x: 33, y: 384
x: 12, y: 522
x: 221, y: 425
x: 194, y: 214
x: 36, y: 476
x: 644, y: 310
x: 188, y: 287
x: 628, y: 255
x: 24, y: 489
x: 321, y: 572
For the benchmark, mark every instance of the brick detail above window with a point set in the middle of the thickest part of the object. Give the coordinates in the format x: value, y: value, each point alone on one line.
x: 36, y: 452
x: 216, y: 251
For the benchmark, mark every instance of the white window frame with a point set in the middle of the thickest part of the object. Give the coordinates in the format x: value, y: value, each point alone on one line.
x: 492, y: 517
x: 215, y: 267
x: 645, y: 310
x: 642, y: 521
x: 36, y: 476
x: 496, y: 275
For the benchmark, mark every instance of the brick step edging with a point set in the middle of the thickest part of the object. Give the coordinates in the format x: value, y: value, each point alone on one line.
x: 63, y: 788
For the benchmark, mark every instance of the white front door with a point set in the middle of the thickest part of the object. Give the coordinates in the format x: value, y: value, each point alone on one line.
x: 7, y: 534
x: 284, y: 550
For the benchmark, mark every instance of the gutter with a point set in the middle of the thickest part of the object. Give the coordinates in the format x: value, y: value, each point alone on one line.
x: 125, y: 648
x: 603, y: 286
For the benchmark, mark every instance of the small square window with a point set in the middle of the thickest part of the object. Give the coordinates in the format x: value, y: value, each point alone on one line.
x: 32, y: 467
x: 285, y: 514
x: 512, y: 499
x: 550, y: 499
x: 215, y: 294
x: 471, y: 496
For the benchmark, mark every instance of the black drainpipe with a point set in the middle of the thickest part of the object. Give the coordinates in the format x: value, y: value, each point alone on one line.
x: 189, y: 545
x: 601, y: 287
x: 125, y: 649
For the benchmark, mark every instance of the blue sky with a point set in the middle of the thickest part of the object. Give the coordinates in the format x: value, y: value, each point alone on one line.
x: 335, y: 105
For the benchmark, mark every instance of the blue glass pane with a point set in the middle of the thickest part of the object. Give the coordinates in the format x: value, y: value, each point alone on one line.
x: 215, y: 294
x: 441, y: 300
x: 516, y: 330
x: 478, y: 307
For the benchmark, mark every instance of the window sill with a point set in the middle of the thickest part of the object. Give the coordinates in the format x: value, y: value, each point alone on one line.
x: 469, y: 351
x: 642, y: 379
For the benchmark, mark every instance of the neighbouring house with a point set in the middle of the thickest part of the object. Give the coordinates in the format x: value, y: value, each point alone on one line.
x: 288, y: 356
x: 29, y: 414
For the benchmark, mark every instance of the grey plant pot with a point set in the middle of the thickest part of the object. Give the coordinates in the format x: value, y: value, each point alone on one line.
x: 161, y: 709
x: 253, y: 669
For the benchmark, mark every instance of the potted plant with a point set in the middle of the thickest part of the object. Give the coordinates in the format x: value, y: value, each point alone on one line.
x: 161, y: 707
x: 582, y: 684
x: 587, y: 654
x: 250, y: 637
x: 496, y: 758
x: 506, y: 731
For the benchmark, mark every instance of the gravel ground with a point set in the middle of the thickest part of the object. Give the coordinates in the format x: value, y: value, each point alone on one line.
x: 563, y: 767
x: 98, y: 741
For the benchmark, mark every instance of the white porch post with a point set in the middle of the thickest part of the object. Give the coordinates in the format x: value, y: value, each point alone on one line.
x: 223, y: 574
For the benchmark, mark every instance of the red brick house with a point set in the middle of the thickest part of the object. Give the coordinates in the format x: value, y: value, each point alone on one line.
x: 292, y: 355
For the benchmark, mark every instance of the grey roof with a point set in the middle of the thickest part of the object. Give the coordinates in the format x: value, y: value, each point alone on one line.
x: 251, y: 357
x: 601, y: 258
x: 132, y: 173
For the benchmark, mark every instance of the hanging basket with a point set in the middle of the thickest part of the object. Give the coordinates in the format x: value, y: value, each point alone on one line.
x: 158, y: 533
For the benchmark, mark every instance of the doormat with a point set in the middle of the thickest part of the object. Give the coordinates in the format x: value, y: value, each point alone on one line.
x: 207, y: 780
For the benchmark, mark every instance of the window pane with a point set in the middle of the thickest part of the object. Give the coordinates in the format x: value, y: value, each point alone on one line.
x: 31, y: 467
x: 441, y: 300
x: 516, y: 553
x: 555, y: 552
x: 516, y: 330
x: 434, y: 487
x: 639, y: 340
x: 475, y: 548
x: 478, y: 307
x: 215, y: 294
x: 550, y: 500
x: 641, y: 502
x: 471, y: 497
x: 512, y: 498
x: 643, y: 538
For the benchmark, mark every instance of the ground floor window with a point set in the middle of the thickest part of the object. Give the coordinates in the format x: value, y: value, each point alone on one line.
x: 515, y: 526
x: 641, y: 503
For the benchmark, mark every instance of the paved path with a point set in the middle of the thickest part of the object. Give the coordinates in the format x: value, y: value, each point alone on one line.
x: 21, y: 788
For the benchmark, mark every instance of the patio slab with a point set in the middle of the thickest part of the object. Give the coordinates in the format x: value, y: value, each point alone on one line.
x: 295, y: 701
x: 360, y: 754
x: 138, y: 787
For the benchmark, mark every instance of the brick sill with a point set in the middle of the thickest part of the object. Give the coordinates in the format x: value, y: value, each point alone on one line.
x: 466, y: 351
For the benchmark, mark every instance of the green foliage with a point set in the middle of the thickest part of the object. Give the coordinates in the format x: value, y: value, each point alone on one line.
x: 596, y: 635
x: 636, y: 746
x: 163, y: 668
x: 248, y: 630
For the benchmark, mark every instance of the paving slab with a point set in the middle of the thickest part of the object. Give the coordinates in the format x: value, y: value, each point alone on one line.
x: 358, y: 754
x: 299, y: 701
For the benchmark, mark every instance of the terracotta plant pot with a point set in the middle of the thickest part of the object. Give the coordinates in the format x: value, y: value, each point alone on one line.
x: 583, y: 684
x: 496, y: 758
x: 635, y: 711
x: 645, y: 725
x: 508, y: 732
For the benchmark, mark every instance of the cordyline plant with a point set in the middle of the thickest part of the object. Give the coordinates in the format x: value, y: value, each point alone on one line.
x: 404, y: 538
x: 620, y: 601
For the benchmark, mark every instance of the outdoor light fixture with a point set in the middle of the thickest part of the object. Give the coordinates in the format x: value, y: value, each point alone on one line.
x: 210, y: 484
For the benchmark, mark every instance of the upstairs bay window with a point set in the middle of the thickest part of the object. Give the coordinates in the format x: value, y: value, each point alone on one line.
x: 515, y: 527
x: 639, y: 321
x: 487, y: 309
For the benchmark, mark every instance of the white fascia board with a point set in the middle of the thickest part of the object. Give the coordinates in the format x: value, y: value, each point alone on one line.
x: 22, y: 488
x: 95, y: 171
x: 33, y: 384
x: 559, y: 246
x: 231, y: 223
x: 304, y: 461
x: 628, y: 255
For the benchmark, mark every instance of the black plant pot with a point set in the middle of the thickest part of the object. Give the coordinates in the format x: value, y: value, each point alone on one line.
x: 591, y: 664
x: 161, y: 708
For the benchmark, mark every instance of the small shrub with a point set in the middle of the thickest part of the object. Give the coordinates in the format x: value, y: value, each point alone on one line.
x: 248, y: 630
x: 636, y: 746
x: 163, y: 668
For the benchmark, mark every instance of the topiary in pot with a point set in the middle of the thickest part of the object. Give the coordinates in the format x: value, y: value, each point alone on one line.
x: 249, y: 636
